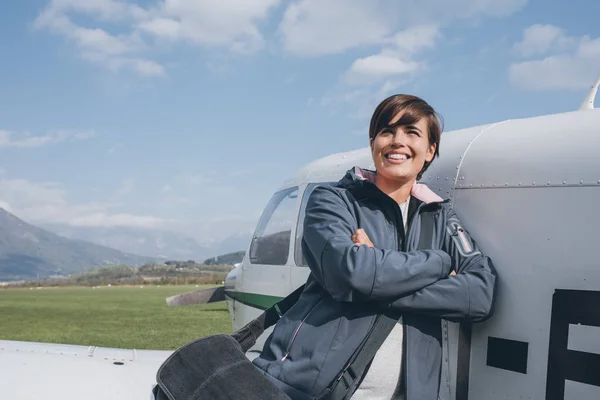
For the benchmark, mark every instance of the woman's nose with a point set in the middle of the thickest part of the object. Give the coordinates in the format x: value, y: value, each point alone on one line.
x: 399, y: 138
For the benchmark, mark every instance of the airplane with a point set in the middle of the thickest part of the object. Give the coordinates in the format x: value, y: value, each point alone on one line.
x: 526, y: 189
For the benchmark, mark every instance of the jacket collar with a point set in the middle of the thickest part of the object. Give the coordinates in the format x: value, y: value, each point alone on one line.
x: 359, y: 176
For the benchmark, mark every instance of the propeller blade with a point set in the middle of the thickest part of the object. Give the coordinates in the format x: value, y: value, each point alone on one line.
x: 203, y: 296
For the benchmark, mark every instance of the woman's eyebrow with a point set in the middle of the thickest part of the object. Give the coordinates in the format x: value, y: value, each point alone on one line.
x: 413, y: 127
x: 403, y: 126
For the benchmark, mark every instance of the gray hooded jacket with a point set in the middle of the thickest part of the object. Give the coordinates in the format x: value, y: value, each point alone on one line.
x: 350, y: 285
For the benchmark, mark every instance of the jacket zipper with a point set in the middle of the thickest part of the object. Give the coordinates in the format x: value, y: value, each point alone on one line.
x: 287, y: 352
x: 457, y: 231
x: 405, y: 350
x: 289, y: 347
x: 463, y: 238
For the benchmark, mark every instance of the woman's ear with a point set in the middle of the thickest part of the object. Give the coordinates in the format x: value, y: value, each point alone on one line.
x: 430, y: 153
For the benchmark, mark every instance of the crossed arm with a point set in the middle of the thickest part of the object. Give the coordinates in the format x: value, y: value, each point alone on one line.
x: 351, y: 273
x: 467, y: 294
x: 456, y: 282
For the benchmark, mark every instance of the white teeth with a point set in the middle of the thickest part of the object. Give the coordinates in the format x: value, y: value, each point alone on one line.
x: 398, y: 156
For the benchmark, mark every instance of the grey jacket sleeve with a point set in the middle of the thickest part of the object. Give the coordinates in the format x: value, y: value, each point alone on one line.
x: 468, y: 296
x: 353, y: 273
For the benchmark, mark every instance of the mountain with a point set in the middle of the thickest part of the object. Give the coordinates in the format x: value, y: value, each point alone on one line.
x: 231, y: 244
x: 27, y: 251
x: 162, y: 244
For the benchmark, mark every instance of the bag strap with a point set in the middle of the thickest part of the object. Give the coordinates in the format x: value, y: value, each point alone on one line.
x: 354, y: 372
x: 249, y: 334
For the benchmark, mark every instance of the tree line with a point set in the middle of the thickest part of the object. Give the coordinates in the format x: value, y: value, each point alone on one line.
x: 167, y: 273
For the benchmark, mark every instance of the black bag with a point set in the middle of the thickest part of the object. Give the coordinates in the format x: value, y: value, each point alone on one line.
x: 216, y: 367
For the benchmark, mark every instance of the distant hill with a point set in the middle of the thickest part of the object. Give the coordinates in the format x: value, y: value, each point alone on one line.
x: 161, y: 244
x: 230, y: 258
x: 27, y: 251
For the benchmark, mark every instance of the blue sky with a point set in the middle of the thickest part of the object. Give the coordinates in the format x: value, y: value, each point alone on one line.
x: 187, y: 115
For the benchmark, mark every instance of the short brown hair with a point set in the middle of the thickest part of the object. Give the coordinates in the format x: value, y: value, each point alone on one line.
x: 413, y: 108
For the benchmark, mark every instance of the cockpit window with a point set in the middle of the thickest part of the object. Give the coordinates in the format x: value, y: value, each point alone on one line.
x: 271, y: 241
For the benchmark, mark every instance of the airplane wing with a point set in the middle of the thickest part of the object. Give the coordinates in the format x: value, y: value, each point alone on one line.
x: 202, y: 296
x: 31, y: 370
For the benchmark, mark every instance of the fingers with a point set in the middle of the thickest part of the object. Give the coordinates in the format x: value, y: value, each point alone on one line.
x: 360, y: 237
x: 361, y: 233
x: 357, y: 234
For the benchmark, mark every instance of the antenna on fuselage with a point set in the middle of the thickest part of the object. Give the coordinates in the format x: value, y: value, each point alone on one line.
x: 588, y: 102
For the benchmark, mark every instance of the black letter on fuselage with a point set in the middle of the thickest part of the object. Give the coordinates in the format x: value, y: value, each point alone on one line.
x: 571, y: 307
x: 463, y: 362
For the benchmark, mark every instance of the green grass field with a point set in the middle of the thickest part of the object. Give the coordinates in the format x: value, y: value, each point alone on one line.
x: 123, y: 317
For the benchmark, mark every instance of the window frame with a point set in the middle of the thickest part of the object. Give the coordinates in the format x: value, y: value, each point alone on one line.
x: 266, y: 217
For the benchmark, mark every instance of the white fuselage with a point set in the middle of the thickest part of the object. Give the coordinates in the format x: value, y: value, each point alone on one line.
x: 527, y: 191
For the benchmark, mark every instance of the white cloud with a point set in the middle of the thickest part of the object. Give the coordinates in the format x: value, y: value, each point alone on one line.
x: 370, y: 79
x: 97, y: 45
x: 46, y: 202
x: 540, y: 39
x: 315, y: 27
x: 392, y: 36
x: 228, y: 23
x: 9, y: 139
x: 415, y: 38
x: 396, y: 58
x: 570, y: 62
x: 117, y: 39
x: 105, y: 9
x: 379, y: 66
x: 121, y: 35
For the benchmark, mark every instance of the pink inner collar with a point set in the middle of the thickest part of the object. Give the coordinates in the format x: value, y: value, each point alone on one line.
x: 419, y: 190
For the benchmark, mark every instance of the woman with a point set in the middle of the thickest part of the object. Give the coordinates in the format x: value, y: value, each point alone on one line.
x: 360, y: 242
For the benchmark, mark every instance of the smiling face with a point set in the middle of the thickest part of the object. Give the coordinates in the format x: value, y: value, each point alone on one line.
x: 400, y: 152
x: 404, y: 136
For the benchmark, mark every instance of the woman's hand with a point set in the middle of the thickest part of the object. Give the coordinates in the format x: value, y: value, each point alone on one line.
x: 360, y: 237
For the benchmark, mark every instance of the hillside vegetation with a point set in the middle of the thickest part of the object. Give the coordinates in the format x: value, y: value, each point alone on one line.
x: 229, y: 258
x: 171, y: 272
